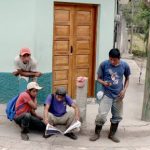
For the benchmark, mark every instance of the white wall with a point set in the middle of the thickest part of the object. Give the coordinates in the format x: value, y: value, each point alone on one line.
x: 29, y: 23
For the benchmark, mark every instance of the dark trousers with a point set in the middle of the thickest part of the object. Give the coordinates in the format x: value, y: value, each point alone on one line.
x: 31, y: 122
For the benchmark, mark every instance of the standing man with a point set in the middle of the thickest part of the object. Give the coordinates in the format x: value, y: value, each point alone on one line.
x: 25, y: 68
x: 110, y: 75
x: 55, y: 110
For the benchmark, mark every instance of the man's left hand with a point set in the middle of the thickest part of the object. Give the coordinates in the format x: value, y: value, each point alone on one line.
x: 122, y: 94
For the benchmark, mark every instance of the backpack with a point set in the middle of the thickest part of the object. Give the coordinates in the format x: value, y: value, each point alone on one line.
x: 10, y: 108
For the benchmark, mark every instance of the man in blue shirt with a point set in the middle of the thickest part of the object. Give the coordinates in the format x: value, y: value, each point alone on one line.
x: 55, y: 110
x: 110, y: 75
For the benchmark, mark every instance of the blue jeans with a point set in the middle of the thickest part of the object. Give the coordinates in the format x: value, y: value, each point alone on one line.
x: 106, y: 103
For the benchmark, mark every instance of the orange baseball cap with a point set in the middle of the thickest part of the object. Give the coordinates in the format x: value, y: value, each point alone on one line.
x: 24, y: 51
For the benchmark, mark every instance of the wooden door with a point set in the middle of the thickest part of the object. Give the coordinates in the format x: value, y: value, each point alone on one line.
x: 73, y: 52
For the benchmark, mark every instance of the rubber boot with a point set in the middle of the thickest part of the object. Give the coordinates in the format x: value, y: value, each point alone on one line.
x: 112, y: 133
x: 96, y: 136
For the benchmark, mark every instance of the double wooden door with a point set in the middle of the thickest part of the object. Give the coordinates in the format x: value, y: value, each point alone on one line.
x: 73, y: 46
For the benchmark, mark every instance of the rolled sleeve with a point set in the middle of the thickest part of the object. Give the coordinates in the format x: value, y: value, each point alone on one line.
x: 48, y: 100
x: 69, y: 101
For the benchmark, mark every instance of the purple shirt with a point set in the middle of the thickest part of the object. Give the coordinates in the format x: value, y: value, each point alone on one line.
x: 58, y: 108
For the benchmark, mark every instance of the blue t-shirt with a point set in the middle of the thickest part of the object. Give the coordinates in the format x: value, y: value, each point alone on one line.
x: 58, y: 108
x: 113, y: 74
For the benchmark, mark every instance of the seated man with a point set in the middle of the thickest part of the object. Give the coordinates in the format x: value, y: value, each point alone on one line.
x: 26, y: 117
x: 55, y: 110
x: 26, y: 68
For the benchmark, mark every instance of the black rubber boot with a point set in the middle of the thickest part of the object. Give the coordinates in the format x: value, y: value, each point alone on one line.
x: 96, y: 136
x: 112, y: 133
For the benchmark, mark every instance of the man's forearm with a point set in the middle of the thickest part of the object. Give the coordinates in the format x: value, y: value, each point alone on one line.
x: 100, y: 81
x: 126, y: 83
x: 46, y: 114
x: 27, y: 73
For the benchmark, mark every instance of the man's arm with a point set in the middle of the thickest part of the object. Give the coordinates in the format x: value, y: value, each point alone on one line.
x: 77, y: 114
x: 35, y: 114
x: 104, y: 83
x: 100, y: 75
x: 46, y: 109
x: 32, y: 104
x: 29, y: 73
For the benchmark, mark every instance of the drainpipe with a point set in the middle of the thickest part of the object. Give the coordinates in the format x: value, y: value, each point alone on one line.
x: 116, y: 26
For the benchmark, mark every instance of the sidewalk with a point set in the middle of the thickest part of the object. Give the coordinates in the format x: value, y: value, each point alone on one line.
x: 134, y: 133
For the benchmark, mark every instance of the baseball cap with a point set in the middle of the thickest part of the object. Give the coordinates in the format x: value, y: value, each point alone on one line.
x: 61, y: 91
x: 24, y: 51
x: 33, y: 85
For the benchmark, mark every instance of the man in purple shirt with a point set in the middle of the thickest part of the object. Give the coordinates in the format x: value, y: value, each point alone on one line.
x: 55, y: 110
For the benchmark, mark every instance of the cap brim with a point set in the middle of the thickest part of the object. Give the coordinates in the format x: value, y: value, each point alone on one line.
x: 25, y: 53
x: 38, y: 88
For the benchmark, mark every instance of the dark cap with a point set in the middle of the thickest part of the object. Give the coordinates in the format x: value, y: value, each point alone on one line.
x: 61, y: 91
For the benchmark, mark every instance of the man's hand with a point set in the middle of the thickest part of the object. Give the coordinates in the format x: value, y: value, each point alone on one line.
x: 16, y: 73
x: 107, y: 83
x: 46, y: 121
x: 77, y: 118
x: 122, y: 94
x: 38, y: 74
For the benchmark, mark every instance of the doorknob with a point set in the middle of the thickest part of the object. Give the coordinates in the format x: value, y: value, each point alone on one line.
x: 71, y: 49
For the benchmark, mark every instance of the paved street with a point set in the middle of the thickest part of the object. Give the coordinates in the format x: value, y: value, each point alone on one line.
x: 134, y: 133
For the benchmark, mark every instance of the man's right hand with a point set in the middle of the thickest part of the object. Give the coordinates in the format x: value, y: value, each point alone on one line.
x: 107, y: 83
x: 46, y: 121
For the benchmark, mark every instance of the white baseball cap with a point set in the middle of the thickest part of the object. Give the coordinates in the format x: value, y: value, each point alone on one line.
x: 33, y: 85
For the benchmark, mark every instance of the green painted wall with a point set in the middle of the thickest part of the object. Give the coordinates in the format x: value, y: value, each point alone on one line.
x: 9, y: 87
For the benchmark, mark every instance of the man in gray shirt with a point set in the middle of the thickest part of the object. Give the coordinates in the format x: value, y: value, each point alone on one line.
x: 25, y: 68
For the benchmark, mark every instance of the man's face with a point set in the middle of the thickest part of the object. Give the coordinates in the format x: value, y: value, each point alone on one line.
x: 114, y: 61
x: 59, y: 98
x: 33, y: 92
x: 25, y: 58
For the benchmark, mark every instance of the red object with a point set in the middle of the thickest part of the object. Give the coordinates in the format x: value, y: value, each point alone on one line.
x: 24, y: 51
x: 80, y: 82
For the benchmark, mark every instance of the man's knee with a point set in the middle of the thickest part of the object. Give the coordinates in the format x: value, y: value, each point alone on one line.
x: 100, y: 120
x: 27, y: 115
x: 71, y: 114
x: 116, y: 119
x: 51, y: 119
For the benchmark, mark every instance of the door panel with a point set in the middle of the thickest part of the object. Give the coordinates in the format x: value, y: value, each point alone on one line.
x: 73, y: 47
x: 61, y: 47
x: 83, y: 42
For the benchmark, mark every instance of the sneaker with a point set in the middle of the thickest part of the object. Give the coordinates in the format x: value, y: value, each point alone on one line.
x: 71, y: 135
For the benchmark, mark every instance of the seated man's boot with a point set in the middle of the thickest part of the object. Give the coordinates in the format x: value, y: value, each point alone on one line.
x: 96, y: 136
x: 24, y: 134
x: 112, y: 133
x: 46, y: 136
